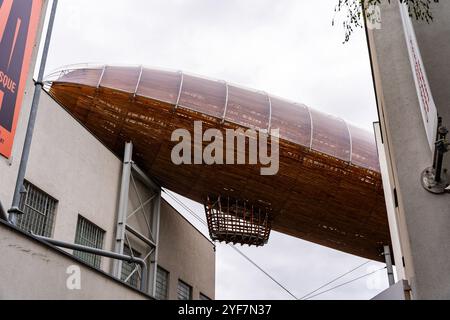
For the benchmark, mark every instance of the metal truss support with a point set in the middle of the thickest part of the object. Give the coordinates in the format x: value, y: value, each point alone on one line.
x: 154, y: 258
x: 146, y: 218
x: 123, y: 207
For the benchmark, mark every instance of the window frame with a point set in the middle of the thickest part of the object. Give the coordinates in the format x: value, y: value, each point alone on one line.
x: 135, y: 279
x: 159, y: 268
x: 26, y: 220
x: 186, y: 285
x: 90, y: 259
x: 204, y: 296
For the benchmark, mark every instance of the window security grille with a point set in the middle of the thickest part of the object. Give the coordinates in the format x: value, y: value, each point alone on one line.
x: 88, y: 234
x: 162, y: 284
x: 129, y: 268
x: 203, y: 297
x: 39, y: 211
x: 184, y: 291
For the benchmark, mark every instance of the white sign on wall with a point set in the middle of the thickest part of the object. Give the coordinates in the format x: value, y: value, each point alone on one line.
x: 427, y: 105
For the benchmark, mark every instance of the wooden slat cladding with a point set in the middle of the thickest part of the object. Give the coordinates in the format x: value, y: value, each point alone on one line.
x: 328, y: 190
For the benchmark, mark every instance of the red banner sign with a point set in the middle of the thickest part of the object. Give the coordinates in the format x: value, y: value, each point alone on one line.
x: 19, y: 20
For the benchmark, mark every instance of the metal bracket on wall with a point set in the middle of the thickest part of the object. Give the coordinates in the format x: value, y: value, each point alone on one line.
x: 435, y: 178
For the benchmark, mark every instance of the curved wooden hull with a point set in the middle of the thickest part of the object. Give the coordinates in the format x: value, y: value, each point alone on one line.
x: 328, y: 189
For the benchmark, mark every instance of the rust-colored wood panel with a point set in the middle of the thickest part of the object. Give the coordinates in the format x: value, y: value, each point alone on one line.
x: 160, y: 85
x: 363, y: 152
x: 248, y: 108
x: 293, y: 121
x: 331, y: 136
x: 121, y: 78
x: 318, y: 195
x: 204, y: 96
x: 88, y: 76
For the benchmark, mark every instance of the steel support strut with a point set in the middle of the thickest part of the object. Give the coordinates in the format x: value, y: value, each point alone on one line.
x: 125, y: 232
x: 123, y: 207
x: 156, y: 218
x: 390, y: 269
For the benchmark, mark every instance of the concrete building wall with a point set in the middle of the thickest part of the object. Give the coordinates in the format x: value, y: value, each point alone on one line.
x: 9, y: 167
x: 73, y: 167
x: 190, y: 247
x: 31, y: 270
x: 423, y: 218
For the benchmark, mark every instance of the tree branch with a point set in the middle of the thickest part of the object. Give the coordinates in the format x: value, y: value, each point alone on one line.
x: 352, y: 10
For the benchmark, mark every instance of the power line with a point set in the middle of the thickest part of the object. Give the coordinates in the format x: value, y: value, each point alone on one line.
x: 344, y: 284
x: 196, y: 216
x: 333, y: 281
x: 263, y: 271
x: 233, y: 247
x: 306, y: 297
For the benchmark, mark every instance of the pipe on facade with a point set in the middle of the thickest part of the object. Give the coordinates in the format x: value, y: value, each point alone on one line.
x: 38, y: 87
x: 100, y: 252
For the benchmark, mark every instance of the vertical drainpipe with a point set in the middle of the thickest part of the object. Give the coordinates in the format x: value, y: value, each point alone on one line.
x: 14, y: 212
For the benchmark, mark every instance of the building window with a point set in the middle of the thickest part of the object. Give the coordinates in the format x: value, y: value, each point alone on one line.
x: 184, y: 291
x: 39, y: 211
x: 203, y: 297
x: 162, y: 284
x: 131, y: 271
x: 89, y: 235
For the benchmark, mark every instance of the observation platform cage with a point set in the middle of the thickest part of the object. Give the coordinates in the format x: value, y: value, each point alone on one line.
x: 237, y: 221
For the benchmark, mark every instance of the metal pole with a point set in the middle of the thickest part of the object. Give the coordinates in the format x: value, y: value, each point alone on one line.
x: 123, y: 206
x: 437, y: 139
x: 389, y: 267
x: 38, y: 87
x: 441, y: 149
x: 156, y: 220
x: 99, y: 252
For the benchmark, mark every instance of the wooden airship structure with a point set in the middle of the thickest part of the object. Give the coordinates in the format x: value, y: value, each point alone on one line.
x: 328, y: 189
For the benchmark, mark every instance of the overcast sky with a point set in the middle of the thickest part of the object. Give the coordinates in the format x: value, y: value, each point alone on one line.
x: 285, y: 47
